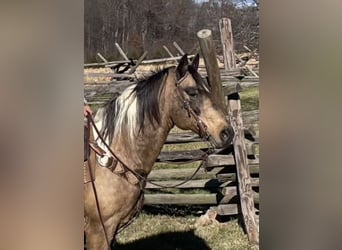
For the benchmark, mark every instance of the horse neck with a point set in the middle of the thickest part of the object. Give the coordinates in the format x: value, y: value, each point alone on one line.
x: 142, y: 153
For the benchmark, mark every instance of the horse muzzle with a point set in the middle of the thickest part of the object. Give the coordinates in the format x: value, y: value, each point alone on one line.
x: 226, y: 137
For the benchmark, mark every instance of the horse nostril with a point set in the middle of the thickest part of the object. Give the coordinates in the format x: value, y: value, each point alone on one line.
x: 227, y: 135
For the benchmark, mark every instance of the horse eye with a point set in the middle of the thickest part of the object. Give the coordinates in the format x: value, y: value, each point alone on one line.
x: 192, y: 92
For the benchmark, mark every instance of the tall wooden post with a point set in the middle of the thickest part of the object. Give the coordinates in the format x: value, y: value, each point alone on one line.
x: 227, y: 43
x: 242, y: 169
x: 207, y: 46
x: 240, y: 151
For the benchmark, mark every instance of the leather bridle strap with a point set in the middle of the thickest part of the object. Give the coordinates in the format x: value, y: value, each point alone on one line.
x: 136, y: 174
x: 89, y: 119
x: 202, y: 127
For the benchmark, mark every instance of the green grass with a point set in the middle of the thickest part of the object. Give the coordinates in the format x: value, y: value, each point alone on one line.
x: 250, y: 99
x: 171, y: 233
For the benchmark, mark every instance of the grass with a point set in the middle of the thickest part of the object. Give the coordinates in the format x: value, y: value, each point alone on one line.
x: 250, y: 99
x: 171, y: 233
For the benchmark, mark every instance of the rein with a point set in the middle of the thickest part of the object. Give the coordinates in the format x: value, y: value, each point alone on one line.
x: 135, y: 173
x: 92, y: 178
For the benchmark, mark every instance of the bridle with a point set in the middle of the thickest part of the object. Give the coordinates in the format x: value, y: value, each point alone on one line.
x: 202, y: 127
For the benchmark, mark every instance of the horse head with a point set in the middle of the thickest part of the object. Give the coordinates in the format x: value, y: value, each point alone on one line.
x: 194, y: 107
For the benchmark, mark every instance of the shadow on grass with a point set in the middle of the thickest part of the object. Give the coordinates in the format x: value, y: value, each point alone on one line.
x: 166, y: 241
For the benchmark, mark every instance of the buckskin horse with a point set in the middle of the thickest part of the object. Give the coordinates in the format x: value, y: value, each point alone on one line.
x: 135, y: 126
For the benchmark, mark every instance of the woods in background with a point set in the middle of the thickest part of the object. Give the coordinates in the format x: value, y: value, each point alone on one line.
x: 147, y: 25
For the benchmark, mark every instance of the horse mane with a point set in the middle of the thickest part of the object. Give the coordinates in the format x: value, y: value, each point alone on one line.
x: 126, y: 113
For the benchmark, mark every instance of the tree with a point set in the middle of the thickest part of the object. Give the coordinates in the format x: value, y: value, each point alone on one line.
x: 147, y: 25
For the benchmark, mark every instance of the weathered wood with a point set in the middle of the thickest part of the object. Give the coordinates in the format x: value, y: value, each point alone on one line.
x: 112, y: 63
x: 243, y: 172
x: 202, y: 183
x: 178, y: 48
x: 169, y: 52
x: 246, y: 48
x: 122, y: 53
x: 245, y: 79
x: 185, y: 137
x: 251, y: 71
x: 209, y: 54
x: 231, y: 192
x: 227, y: 43
x: 213, y: 159
x: 198, y: 199
x: 160, y: 60
x: 226, y: 209
x: 205, y: 183
x: 223, y: 72
x: 232, y: 176
x: 180, y: 155
x: 102, y: 57
x: 232, y: 88
x: 183, y: 173
x: 220, y: 160
x: 128, y: 75
x: 133, y: 69
x: 95, y: 90
x: 180, y: 173
x: 250, y: 117
x: 228, y: 85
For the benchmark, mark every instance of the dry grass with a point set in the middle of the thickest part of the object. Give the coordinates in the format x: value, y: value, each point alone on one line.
x: 171, y: 233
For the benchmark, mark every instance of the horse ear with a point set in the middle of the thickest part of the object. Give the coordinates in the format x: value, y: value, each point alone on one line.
x: 182, y: 66
x: 195, y: 61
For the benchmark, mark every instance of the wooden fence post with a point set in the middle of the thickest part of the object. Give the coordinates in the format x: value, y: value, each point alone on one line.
x: 207, y: 46
x: 227, y: 43
x: 102, y: 57
x: 122, y: 53
x: 243, y: 171
x: 169, y: 53
x: 132, y: 70
x: 178, y: 48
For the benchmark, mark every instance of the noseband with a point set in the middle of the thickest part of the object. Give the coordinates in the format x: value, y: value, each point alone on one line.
x: 202, y: 127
